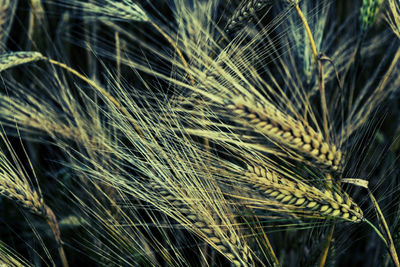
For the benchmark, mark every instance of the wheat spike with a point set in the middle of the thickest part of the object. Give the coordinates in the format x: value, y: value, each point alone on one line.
x: 13, y: 59
x: 298, y: 197
x: 15, y: 185
x: 285, y: 130
x: 227, y: 243
x: 369, y: 13
x: 16, y: 188
x: 110, y: 9
x: 244, y: 12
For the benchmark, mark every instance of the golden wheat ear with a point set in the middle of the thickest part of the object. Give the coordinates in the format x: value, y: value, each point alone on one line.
x: 285, y: 130
x: 211, y: 230
x: 243, y: 13
x: 15, y: 184
x: 299, y: 199
x: 13, y: 59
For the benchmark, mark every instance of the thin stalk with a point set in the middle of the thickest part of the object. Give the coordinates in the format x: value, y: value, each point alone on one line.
x: 269, y: 247
x: 376, y: 231
x: 389, y: 243
x: 320, y: 71
x: 310, y: 37
x: 321, y: 82
x: 385, y: 80
x: 52, y: 222
x: 98, y: 88
x: 325, y: 249
x: 118, y: 57
x: 328, y: 240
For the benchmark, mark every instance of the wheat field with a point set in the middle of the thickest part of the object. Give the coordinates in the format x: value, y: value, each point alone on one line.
x: 199, y: 133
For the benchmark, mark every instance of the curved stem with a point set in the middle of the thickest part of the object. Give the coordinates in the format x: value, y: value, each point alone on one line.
x: 52, y: 222
x: 308, y: 30
x: 320, y: 71
x: 389, y: 243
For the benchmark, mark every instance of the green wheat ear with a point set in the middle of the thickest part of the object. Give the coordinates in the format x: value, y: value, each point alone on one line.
x: 369, y: 13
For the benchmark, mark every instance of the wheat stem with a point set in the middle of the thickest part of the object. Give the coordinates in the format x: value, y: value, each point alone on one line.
x: 118, y: 57
x: 308, y: 30
x: 325, y: 249
x: 389, y: 242
x: 320, y: 71
x: 269, y: 247
x: 52, y: 222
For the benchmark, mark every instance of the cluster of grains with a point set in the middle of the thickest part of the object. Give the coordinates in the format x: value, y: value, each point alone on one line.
x: 298, y: 197
x: 243, y: 14
x: 124, y: 9
x: 13, y: 59
x: 15, y: 185
x: 369, y: 12
x: 228, y: 244
x: 287, y: 131
x: 21, y: 192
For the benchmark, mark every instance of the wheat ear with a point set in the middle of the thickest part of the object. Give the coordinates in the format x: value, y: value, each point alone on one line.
x: 13, y: 59
x: 369, y: 13
x: 14, y: 184
x: 285, y: 130
x: 243, y: 13
x: 227, y: 243
x: 297, y: 197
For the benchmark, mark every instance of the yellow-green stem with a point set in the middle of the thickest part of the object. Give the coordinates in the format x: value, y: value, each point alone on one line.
x: 118, y: 57
x: 320, y: 71
x: 52, y: 222
x: 269, y: 247
x: 390, y: 243
x: 310, y: 37
x: 325, y: 249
